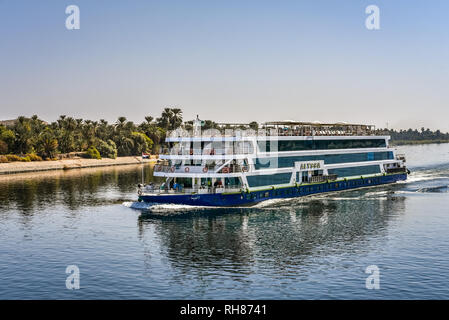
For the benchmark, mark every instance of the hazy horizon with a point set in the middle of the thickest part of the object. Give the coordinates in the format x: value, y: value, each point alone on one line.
x: 228, y: 62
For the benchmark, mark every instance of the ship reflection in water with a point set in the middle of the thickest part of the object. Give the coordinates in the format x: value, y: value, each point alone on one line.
x: 284, y: 236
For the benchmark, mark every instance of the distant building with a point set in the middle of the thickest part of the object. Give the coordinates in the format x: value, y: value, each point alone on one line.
x: 9, y: 123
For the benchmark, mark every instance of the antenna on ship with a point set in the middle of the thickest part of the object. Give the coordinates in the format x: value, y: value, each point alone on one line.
x: 197, y: 124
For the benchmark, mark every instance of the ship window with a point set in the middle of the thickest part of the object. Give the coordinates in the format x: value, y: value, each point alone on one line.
x: 232, y: 182
x: 284, y: 162
x: 355, y: 171
x: 267, y: 180
x: 297, y: 145
x: 184, y: 182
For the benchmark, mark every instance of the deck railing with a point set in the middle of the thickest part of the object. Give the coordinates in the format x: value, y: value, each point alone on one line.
x: 205, y: 152
x: 233, y: 168
x: 294, y: 130
x: 180, y: 190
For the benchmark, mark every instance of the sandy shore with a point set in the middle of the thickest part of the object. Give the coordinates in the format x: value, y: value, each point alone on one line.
x: 21, y: 167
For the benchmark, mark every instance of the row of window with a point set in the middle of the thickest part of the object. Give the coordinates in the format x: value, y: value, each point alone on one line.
x: 269, y: 179
x: 355, y: 171
x: 285, y: 162
x: 313, y: 189
x: 298, y: 145
x: 284, y: 178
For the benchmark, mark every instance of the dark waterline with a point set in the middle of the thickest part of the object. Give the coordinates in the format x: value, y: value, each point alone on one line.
x: 312, y: 248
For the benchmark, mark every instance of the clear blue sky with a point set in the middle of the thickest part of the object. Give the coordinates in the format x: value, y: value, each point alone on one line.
x: 228, y: 61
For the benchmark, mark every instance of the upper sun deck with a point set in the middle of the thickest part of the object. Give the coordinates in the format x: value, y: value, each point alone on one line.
x: 296, y: 128
x: 239, y: 131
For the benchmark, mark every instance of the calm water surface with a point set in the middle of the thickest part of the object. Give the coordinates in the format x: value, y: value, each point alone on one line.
x: 311, y: 248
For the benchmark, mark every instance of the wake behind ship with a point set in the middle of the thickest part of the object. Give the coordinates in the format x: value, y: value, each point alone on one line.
x: 230, y: 166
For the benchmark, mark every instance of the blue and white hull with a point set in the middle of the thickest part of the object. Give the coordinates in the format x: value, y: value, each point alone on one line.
x: 245, y: 198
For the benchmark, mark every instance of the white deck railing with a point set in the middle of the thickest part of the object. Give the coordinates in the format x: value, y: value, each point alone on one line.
x: 205, y: 190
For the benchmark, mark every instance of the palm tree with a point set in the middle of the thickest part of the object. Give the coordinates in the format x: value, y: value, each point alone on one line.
x: 119, y: 125
x: 176, y: 119
x: 124, y: 145
x: 165, y: 119
x: 47, y: 144
x: 149, y: 119
x: 61, y: 121
x: 121, y: 120
x: 23, y: 135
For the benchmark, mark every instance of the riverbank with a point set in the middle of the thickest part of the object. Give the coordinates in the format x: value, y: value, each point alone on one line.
x: 415, y: 142
x: 67, y: 164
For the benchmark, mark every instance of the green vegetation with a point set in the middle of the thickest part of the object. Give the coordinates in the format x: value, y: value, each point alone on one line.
x: 31, y: 139
x: 410, y: 142
x: 24, y: 158
x: 92, y: 153
x: 411, y: 136
x: 107, y: 149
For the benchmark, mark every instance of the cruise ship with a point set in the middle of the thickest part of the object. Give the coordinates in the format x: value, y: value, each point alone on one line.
x: 237, y: 166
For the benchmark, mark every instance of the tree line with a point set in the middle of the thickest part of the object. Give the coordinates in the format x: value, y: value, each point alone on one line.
x: 34, y: 139
x: 29, y: 139
x: 415, y: 136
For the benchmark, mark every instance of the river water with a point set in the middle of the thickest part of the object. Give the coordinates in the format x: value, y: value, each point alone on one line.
x: 311, y: 248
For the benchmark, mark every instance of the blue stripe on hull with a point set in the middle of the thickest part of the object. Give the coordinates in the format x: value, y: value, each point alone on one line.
x: 244, y: 199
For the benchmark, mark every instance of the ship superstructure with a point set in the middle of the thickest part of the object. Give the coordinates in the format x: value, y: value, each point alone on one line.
x: 232, y: 165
